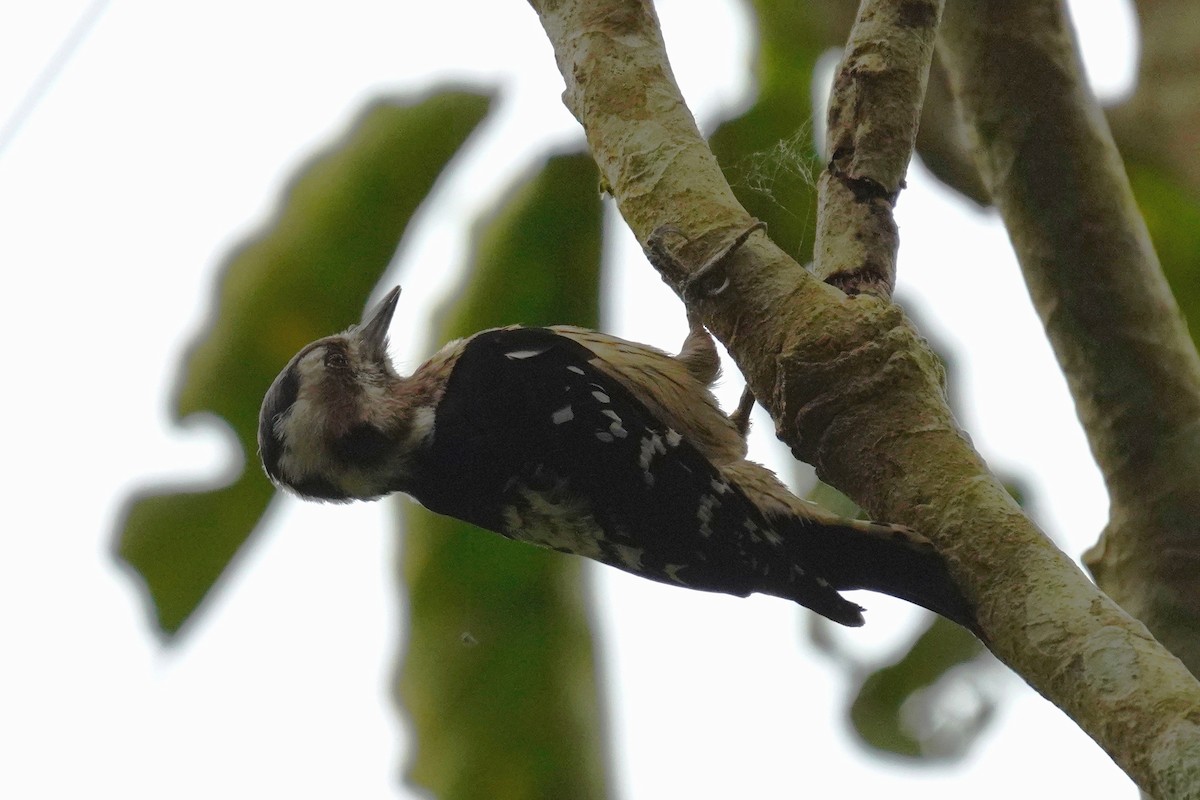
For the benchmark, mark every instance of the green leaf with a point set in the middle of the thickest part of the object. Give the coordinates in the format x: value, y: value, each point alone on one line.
x: 1172, y: 213
x: 306, y: 275
x: 498, y: 677
x: 909, y: 708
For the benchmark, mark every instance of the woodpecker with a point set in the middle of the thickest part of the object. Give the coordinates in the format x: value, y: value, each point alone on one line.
x: 584, y: 443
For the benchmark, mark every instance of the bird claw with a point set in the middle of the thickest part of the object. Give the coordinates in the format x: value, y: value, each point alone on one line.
x: 693, y: 284
x: 741, y: 416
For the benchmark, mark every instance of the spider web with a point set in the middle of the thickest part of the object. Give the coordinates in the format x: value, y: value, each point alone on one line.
x: 788, y: 164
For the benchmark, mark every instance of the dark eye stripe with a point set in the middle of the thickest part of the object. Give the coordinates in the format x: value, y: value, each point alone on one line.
x: 278, y: 401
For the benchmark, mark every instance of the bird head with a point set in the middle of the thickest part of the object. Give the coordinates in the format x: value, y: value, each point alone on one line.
x: 322, y: 424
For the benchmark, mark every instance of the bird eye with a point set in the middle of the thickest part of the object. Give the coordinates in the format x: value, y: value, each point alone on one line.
x: 336, y: 359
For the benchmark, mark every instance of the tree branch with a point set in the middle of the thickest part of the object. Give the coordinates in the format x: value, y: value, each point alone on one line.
x: 874, y: 110
x: 1044, y: 148
x: 856, y: 392
x: 942, y: 141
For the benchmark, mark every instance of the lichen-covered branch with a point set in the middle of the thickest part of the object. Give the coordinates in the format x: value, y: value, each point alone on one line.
x: 874, y: 110
x: 1057, y: 178
x: 941, y: 141
x: 855, y: 391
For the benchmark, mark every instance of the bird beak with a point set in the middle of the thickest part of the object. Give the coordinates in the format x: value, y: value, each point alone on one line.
x: 373, y: 330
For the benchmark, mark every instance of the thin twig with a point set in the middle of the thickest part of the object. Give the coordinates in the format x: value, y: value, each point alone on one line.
x: 874, y: 111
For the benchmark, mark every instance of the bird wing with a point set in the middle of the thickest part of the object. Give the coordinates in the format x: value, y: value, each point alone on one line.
x: 536, y: 440
x: 669, y: 389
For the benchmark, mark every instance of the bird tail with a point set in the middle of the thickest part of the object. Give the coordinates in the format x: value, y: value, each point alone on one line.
x: 890, y: 559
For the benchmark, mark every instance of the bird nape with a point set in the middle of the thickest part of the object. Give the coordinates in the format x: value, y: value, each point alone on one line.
x: 583, y: 443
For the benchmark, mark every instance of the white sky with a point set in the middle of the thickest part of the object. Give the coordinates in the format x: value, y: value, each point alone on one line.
x: 161, y: 143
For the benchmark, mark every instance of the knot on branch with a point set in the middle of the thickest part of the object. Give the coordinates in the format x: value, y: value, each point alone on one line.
x: 843, y: 397
x: 858, y: 253
x: 863, y: 188
x: 668, y: 250
x: 871, y: 277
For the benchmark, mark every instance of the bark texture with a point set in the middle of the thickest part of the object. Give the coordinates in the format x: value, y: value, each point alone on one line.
x: 1045, y: 151
x: 855, y: 391
x: 874, y: 110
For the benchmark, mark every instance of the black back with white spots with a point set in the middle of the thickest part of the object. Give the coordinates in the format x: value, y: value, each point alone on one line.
x: 532, y: 441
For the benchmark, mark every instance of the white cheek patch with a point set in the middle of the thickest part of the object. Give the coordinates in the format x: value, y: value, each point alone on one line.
x: 303, y: 451
x: 312, y: 366
x: 302, y: 429
x: 422, y: 426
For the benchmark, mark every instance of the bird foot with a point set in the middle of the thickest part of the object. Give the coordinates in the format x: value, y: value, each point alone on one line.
x: 699, y: 283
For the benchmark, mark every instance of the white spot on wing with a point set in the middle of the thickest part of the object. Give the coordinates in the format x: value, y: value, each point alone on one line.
x: 601, y: 397
x: 604, y: 436
x: 650, y: 445
x: 672, y: 571
x: 518, y: 355
x: 564, y: 414
x: 758, y: 534
x: 704, y: 513
x: 631, y: 557
x: 615, y: 428
x: 575, y: 369
x: 673, y: 437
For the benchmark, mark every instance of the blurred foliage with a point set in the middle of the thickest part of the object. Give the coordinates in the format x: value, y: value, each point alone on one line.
x: 913, y: 707
x: 1172, y: 213
x: 768, y: 154
x: 498, y: 676
x: 1156, y: 125
x: 907, y: 706
x: 888, y: 697
x: 306, y: 275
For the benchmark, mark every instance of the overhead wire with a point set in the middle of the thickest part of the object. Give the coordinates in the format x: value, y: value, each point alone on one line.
x: 83, y: 26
